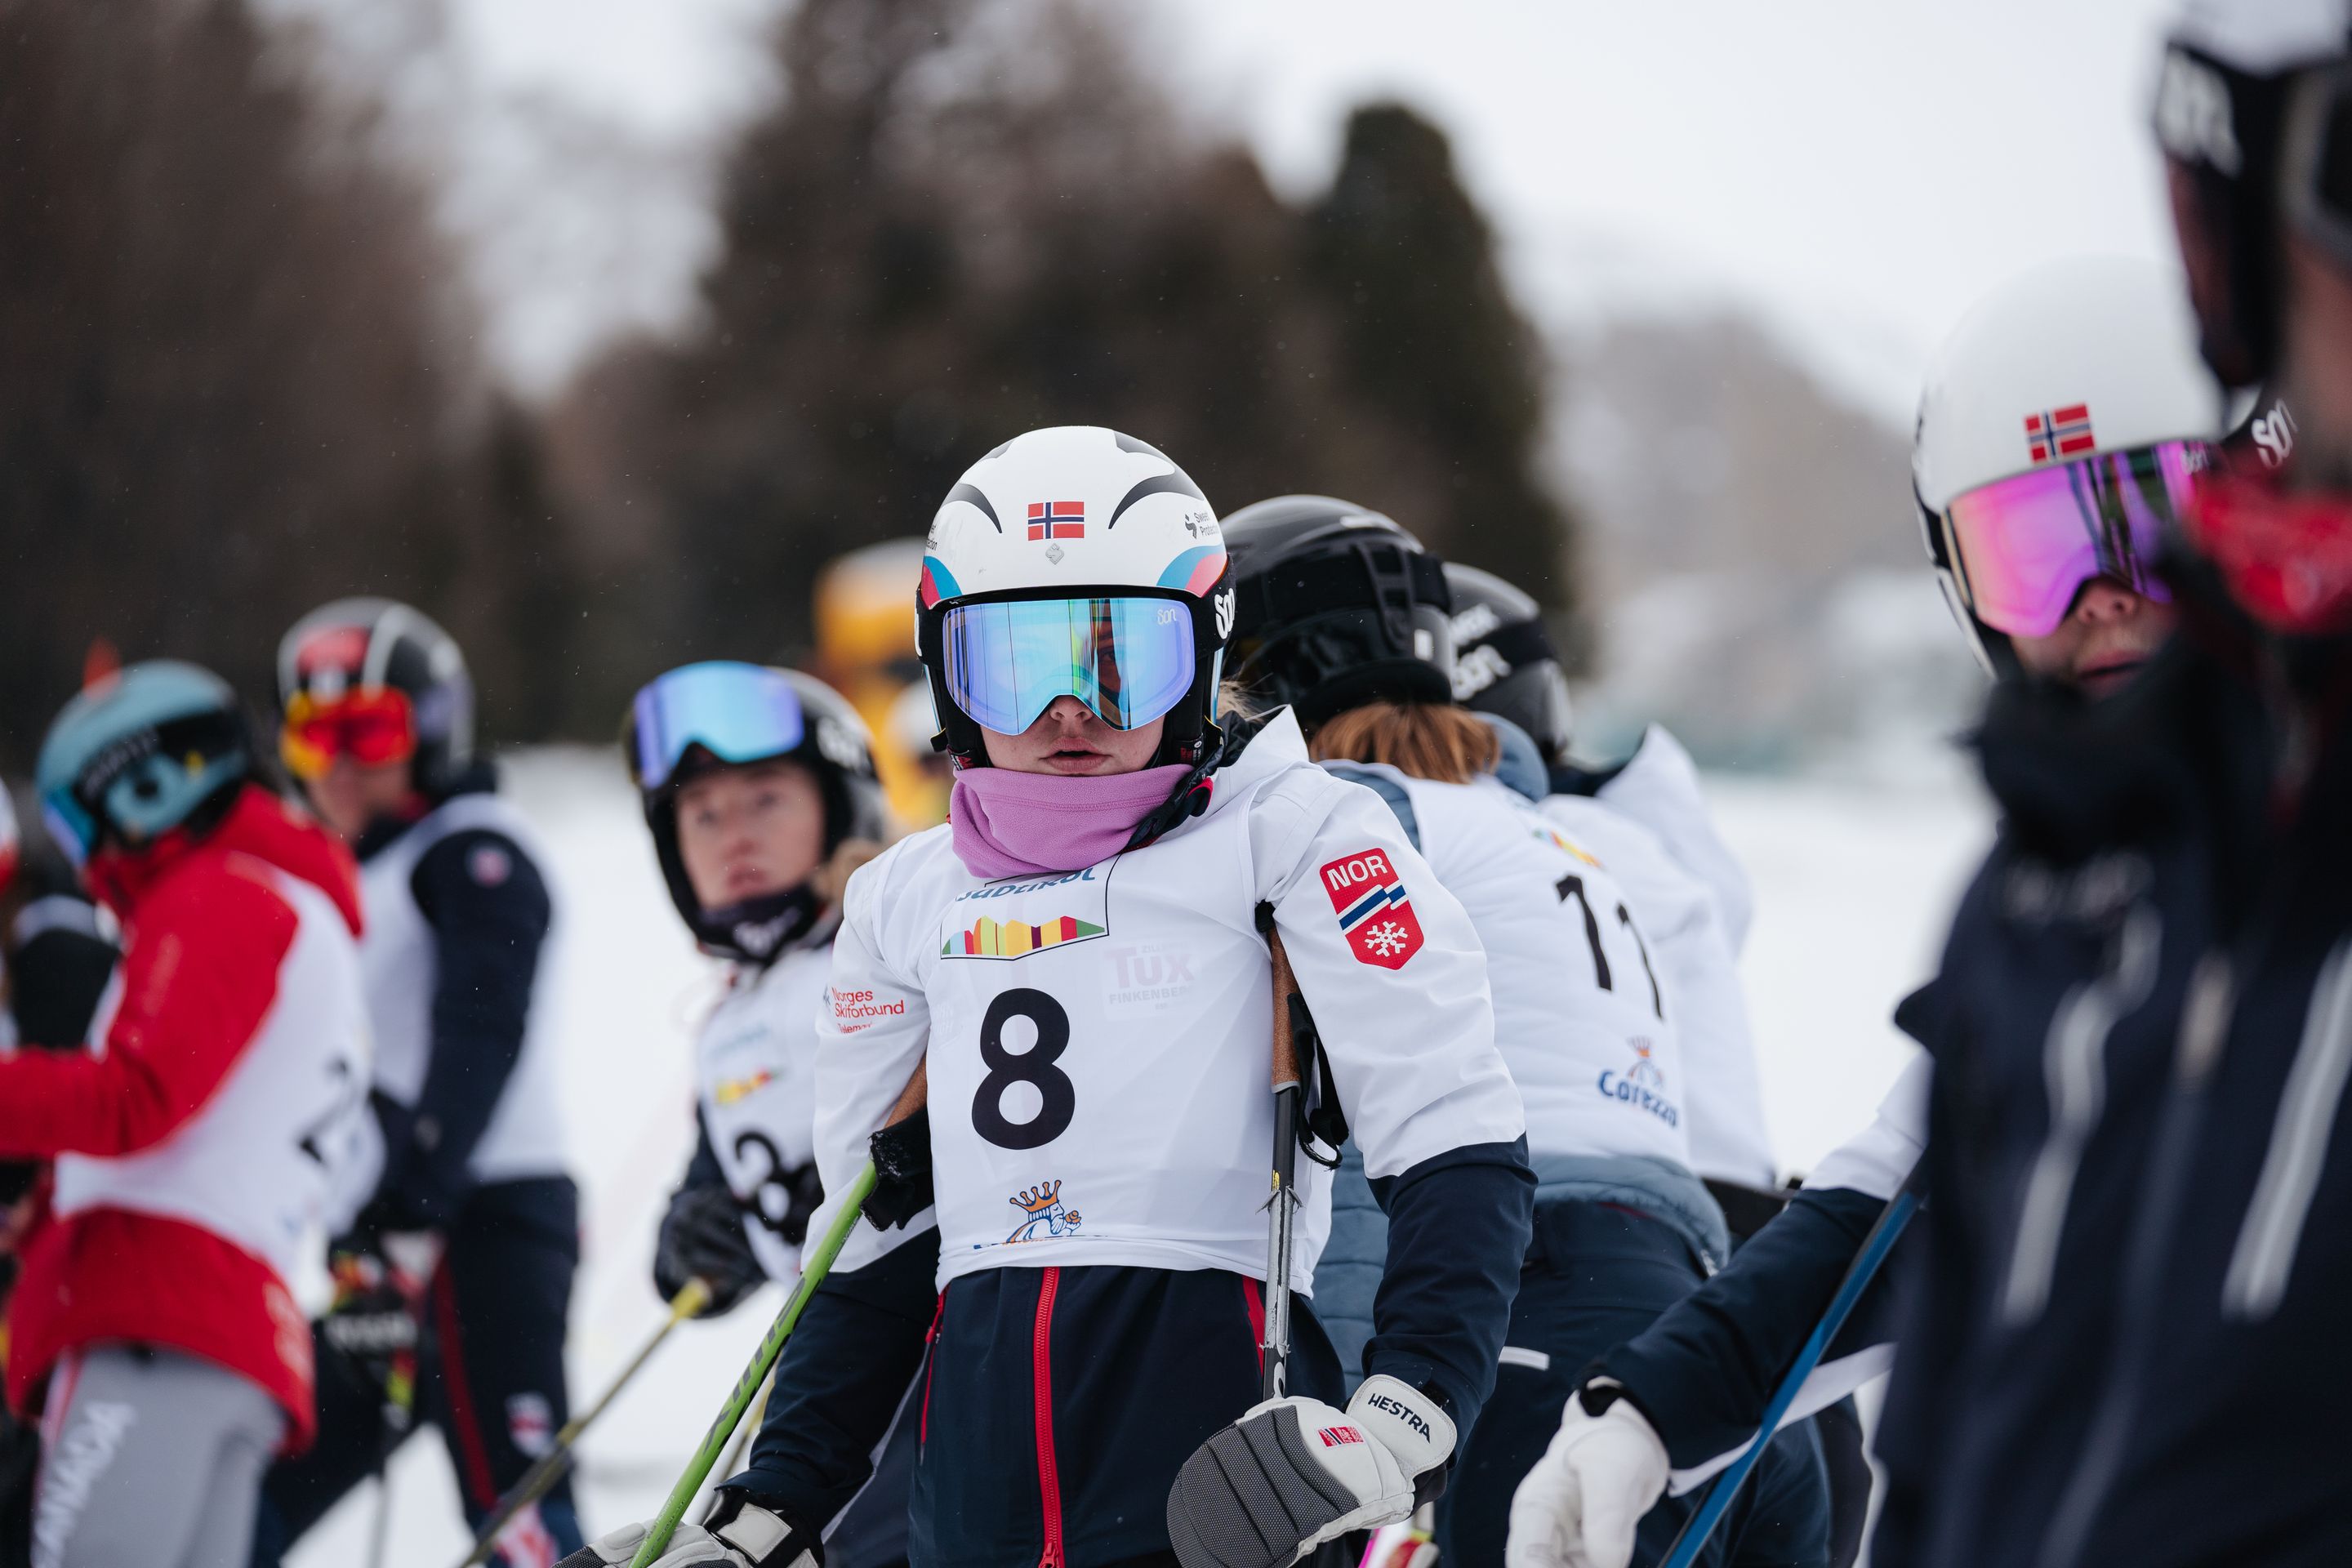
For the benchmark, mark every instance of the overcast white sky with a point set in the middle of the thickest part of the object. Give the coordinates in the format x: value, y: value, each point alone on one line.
x: 1857, y: 171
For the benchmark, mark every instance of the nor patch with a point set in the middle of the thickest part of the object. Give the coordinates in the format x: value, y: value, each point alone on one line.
x: 1370, y: 899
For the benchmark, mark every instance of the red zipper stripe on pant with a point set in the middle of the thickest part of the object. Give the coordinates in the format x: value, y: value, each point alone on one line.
x: 930, y: 1364
x: 1253, y: 1296
x: 1049, y: 1479
x: 475, y: 1479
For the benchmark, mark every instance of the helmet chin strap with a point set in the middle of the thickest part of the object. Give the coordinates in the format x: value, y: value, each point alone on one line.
x: 758, y: 929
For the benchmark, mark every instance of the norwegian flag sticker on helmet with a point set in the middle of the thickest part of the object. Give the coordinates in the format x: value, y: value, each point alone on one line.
x: 2058, y: 432
x: 1057, y: 519
x: 1370, y: 899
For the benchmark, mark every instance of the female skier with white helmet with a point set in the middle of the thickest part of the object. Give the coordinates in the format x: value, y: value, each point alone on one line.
x: 2063, y: 427
x: 1079, y: 962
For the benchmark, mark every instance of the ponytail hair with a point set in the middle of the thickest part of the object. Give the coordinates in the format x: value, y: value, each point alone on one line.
x: 1423, y: 740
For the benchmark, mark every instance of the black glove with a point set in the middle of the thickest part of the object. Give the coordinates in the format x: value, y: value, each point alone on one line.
x: 702, y: 1236
x: 372, y: 1322
x: 413, y: 1194
x: 902, y: 1171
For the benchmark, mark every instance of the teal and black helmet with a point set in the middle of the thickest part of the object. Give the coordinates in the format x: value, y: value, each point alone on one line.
x: 139, y: 754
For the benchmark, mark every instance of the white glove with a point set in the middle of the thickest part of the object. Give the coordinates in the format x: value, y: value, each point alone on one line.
x: 1293, y: 1473
x: 1579, y: 1506
x: 748, y: 1537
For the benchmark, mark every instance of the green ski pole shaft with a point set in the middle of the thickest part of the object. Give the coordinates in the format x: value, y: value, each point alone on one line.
x: 752, y: 1427
x: 747, y: 1387
x: 691, y: 1299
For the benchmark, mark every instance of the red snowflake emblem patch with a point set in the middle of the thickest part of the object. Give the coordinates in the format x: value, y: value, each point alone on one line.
x: 1370, y: 900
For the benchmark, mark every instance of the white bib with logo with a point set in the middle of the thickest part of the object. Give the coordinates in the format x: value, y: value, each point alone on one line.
x: 258, y: 1162
x: 755, y: 1077
x: 1099, y: 1040
x: 525, y: 1136
x: 1583, y: 1012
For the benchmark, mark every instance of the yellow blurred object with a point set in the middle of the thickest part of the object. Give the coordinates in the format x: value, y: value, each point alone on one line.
x: 866, y: 651
x: 865, y: 609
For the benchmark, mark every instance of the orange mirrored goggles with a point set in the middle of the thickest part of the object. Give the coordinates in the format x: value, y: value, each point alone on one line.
x: 375, y: 726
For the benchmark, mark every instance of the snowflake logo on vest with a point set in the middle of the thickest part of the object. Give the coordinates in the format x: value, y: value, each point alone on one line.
x: 1370, y: 899
x: 1044, y: 1215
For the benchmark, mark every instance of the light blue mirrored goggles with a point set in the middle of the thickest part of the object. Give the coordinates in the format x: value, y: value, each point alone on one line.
x: 738, y: 712
x: 1129, y: 659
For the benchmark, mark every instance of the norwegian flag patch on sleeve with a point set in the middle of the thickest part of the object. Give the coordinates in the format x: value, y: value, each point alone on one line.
x: 1369, y: 897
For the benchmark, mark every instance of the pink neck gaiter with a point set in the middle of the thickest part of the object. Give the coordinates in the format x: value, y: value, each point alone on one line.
x: 1020, y: 825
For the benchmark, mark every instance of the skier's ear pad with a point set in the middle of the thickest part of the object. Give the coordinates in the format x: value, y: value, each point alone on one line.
x: 902, y: 1171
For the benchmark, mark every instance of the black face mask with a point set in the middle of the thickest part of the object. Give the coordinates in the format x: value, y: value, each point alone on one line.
x: 756, y: 929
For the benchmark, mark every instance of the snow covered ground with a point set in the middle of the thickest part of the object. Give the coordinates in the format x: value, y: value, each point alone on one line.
x: 1854, y: 876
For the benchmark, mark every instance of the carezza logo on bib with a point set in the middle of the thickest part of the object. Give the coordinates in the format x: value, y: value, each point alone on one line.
x: 1370, y: 899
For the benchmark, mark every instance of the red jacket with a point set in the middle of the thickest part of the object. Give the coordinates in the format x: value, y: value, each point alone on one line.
x: 213, y: 928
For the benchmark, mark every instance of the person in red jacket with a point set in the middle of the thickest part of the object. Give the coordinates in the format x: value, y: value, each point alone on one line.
x: 196, y: 1142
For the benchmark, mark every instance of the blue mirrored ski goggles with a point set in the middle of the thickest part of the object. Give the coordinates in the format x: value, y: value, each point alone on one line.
x: 1129, y: 659
x: 737, y: 713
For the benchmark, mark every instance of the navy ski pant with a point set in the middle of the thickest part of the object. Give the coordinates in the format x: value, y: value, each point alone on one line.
x: 1058, y: 1405
x: 490, y: 1375
x: 1596, y: 1274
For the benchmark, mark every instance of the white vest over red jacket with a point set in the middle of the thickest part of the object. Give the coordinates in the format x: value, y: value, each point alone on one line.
x: 195, y: 1139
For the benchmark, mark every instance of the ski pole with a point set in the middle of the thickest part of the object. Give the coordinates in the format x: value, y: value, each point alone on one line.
x: 1692, y: 1537
x: 1282, y: 1206
x: 409, y: 1263
x: 772, y: 1346
x: 399, y: 1413
x: 689, y: 1301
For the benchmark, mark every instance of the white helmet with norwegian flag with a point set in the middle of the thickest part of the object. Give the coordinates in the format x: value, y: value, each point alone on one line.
x: 2060, y: 428
x: 1074, y: 560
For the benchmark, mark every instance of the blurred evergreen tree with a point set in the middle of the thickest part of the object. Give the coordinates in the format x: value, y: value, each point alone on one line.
x: 239, y: 375
x: 1432, y: 343
x: 964, y: 219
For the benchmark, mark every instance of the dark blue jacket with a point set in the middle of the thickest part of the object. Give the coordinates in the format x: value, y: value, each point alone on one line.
x: 2127, y: 1339
x: 487, y: 942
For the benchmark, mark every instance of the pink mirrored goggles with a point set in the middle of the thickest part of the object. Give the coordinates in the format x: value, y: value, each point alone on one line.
x: 2026, y: 545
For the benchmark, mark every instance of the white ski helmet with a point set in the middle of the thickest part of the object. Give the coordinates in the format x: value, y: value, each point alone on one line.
x: 2060, y: 428
x: 1074, y: 560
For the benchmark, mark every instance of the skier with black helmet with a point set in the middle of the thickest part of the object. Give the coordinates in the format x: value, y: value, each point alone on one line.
x: 1078, y: 961
x: 1343, y: 615
x: 455, y: 1281
x: 759, y: 789
x: 762, y: 794
x: 1694, y: 892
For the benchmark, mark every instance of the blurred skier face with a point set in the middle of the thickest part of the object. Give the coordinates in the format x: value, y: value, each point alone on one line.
x: 350, y: 797
x: 747, y: 831
x: 1068, y: 738
x: 2108, y: 634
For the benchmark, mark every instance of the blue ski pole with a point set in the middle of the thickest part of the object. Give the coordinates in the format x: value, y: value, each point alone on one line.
x: 1694, y: 1531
